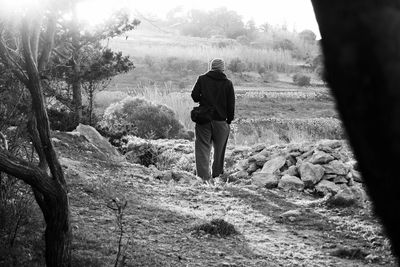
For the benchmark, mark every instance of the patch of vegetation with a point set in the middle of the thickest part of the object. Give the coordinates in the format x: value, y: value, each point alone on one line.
x: 142, y: 118
x: 301, y: 79
x: 216, y: 227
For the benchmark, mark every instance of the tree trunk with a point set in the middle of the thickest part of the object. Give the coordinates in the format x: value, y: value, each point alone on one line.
x: 58, y: 232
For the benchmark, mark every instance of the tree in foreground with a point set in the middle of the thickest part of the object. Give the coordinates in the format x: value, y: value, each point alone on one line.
x: 25, y: 47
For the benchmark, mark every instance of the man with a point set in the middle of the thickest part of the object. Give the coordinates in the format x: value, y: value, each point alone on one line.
x: 215, y: 90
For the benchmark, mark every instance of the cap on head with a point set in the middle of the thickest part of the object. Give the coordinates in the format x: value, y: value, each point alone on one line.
x: 217, y: 64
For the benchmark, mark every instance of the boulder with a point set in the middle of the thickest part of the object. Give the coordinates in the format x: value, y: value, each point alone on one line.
x: 292, y: 171
x: 267, y: 180
x: 288, y: 182
x: 320, y: 157
x: 101, y: 143
x: 310, y: 174
x: 273, y: 165
x: 324, y: 187
x: 336, y: 167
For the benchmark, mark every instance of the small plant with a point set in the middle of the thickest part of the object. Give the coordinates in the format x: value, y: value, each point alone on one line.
x: 236, y: 66
x: 118, y: 206
x: 217, y: 227
x: 301, y: 79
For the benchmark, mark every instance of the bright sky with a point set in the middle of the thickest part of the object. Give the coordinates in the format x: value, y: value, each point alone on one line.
x: 296, y: 14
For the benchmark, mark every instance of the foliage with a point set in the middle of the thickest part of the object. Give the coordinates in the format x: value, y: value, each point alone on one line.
x: 141, y: 118
x: 284, y: 44
x: 301, y: 79
x: 236, y: 65
x: 220, y: 21
x: 308, y: 36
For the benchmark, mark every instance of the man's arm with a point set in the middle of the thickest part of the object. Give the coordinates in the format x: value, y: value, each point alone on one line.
x: 196, y: 92
x: 231, y: 104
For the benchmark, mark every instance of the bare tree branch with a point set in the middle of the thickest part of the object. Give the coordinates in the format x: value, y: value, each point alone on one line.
x: 11, y: 63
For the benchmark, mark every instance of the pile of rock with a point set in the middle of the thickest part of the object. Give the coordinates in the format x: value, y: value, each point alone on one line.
x: 324, y: 167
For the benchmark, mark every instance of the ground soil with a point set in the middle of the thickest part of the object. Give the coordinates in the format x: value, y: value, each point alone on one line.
x: 159, y: 218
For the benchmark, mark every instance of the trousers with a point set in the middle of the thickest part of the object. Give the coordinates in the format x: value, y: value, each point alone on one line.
x: 211, y: 135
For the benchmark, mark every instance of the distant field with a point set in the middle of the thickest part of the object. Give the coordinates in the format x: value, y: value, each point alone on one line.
x: 267, y: 110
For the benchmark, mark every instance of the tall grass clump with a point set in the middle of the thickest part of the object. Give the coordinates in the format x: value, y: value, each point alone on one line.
x: 275, y: 131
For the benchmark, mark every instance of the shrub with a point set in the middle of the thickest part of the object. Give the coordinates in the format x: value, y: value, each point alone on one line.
x: 61, y: 119
x: 284, y: 44
x: 301, y: 79
x: 269, y: 76
x: 243, y: 40
x: 139, y: 117
x: 236, y: 65
x: 149, y: 61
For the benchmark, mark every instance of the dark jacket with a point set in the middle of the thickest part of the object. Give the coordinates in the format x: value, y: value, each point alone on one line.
x: 215, y: 89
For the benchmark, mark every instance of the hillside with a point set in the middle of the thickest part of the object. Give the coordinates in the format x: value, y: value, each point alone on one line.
x: 275, y: 227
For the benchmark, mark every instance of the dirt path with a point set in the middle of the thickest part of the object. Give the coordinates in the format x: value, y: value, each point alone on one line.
x: 160, y: 216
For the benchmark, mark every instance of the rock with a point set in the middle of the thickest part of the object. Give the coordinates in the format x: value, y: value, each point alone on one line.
x: 344, y: 198
x: 183, y: 176
x: 336, y: 167
x: 240, y: 175
x: 310, y: 174
x: 252, y: 168
x: 340, y: 179
x: 320, y: 157
x: 288, y: 182
x: 306, y: 155
x: 244, y: 164
x: 101, y: 143
x: 259, y: 159
x: 292, y: 171
x: 329, y: 177
x: 290, y: 161
x: 331, y: 143
x: 267, y: 180
x: 324, y: 187
x: 273, y: 165
x: 258, y: 148
x: 356, y: 175
x: 291, y: 215
x: 166, y: 176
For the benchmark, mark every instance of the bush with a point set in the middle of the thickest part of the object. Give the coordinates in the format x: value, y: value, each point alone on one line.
x: 243, y: 40
x: 139, y: 117
x: 284, y: 44
x: 269, y: 76
x: 236, y: 65
x: 301, y: 79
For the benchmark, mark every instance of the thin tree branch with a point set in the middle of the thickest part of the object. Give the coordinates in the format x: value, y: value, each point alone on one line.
x: 48, y: 43
x: 11, y: 63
